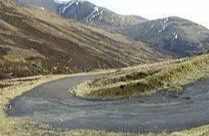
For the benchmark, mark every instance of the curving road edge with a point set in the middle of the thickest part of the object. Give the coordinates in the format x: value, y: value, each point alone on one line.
x: 51, y: 103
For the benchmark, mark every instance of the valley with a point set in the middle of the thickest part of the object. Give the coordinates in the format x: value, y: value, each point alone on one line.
x: 74, y: 68
x: 172, y: 35
x: 52, y: 45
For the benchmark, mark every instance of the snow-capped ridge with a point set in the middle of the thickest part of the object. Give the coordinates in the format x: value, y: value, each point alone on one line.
x: 73, y: 8
x: 164, y: 24
x: 75, y: 1
x: 70, y: 3
x: 95, y: 13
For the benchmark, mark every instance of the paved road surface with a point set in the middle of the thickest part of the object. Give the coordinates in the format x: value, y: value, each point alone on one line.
x: 51, y: 103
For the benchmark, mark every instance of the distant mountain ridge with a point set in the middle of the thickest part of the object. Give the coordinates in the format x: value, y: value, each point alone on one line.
x: 173, y: 35
x: 89, y: 13
x: 39, y: 42
x: 176, y: 35
x: 50, y: 5
x: 85, y: 12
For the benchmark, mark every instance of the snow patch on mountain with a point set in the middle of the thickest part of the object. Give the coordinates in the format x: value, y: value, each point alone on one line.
x: 152, y: 26
x: 67, y: 6
x: 164, y: 24
x: 42, y: 8
x: 96, y: 9
x: 165, y: 20
x: 175, y: 35
x: 95, y: 13
x: 70, y: 3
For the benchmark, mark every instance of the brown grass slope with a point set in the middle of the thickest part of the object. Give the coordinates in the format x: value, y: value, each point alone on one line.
x: 146, y: 79
x: 38, y: 42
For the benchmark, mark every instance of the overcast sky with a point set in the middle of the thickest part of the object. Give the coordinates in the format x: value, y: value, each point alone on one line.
x: 195, y: 10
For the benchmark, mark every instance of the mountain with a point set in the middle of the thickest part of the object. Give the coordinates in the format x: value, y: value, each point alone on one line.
x: 179, y: 36
x: 173, y: 35
x: 85, y: 12
x: 50, y: 5
x: 89, y: 13
x: 38, y: 42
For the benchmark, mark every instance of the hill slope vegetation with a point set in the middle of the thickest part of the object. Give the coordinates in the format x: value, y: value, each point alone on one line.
x: 38, y: 42
x: 146, y: 79
x: 173, y: 35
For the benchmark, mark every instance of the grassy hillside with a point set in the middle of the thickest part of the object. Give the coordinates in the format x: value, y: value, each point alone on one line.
x: 175, y: 35
x: 9, y: 89
x: 38, y: 42
x: 85, y: 12
x: 146, y: 79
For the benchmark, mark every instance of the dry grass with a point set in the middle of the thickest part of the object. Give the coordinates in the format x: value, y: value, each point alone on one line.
x: 53, y: 45
x: 21, y: 127
x: 146, y: 79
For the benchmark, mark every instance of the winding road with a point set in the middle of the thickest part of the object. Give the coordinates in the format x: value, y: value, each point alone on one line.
x: 51, y: 103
